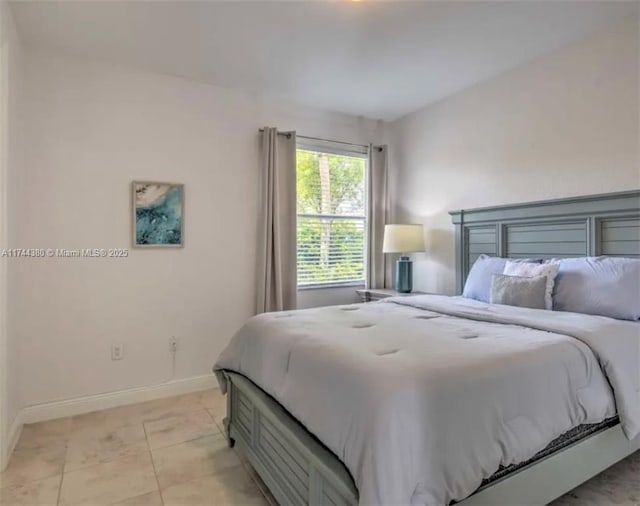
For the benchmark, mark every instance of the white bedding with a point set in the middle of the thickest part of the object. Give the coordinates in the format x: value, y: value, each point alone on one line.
x: 424, y: 397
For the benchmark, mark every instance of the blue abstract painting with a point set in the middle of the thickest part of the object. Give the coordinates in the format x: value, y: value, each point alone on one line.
x: 158, y: 210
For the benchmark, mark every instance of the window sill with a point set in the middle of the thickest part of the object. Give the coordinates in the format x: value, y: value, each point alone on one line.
x: 349, y: 284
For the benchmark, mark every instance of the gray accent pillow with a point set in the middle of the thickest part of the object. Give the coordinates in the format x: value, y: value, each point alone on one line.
x: 518, y: 291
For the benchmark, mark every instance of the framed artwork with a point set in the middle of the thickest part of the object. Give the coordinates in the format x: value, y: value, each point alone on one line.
x: 158, y: 215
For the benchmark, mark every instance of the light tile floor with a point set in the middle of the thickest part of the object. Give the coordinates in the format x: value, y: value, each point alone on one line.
x: 165, y: 452
x: 172, y: 452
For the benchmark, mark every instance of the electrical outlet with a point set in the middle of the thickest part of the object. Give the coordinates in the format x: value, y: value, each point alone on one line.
x: 173, y: 344
x: 117, y: 352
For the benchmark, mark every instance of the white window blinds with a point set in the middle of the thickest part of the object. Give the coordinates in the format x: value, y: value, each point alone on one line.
x: 331, y: 213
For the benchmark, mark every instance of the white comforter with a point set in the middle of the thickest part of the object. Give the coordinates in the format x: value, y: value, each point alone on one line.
x: 424, y: 397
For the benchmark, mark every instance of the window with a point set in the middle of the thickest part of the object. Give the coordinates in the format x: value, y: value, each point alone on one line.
x: 331, y: 214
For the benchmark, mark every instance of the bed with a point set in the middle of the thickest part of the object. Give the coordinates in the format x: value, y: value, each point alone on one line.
x: 302, y: 461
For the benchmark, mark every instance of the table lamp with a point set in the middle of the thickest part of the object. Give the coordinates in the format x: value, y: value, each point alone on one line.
x: 403, y: 239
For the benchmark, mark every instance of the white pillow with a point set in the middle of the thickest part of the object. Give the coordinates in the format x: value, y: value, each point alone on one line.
x: 549, y: 270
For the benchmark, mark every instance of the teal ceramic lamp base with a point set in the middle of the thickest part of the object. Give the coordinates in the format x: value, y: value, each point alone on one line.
x: 404, y: 275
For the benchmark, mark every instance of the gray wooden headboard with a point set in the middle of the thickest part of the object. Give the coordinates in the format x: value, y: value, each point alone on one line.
x: 607, y: 224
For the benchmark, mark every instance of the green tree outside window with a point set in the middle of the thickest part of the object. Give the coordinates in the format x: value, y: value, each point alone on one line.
x: 331, y: 206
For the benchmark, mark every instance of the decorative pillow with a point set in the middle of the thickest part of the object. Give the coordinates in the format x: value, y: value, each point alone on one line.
x: 478, y: 284
x: 519, y: 291
x: 550, y: 270
x: 605, y: 286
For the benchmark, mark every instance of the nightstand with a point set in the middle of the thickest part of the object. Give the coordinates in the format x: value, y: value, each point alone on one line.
x: 371, y: 294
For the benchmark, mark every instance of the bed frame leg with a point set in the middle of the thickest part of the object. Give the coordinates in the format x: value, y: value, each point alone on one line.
x: 231, y: 442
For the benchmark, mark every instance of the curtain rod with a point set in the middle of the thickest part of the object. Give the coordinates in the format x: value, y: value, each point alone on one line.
x: 329, y: 140
x: 288, y: 135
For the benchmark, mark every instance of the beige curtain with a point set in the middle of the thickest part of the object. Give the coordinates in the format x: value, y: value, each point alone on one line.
x: 276, y: 271
x: 378, y: 205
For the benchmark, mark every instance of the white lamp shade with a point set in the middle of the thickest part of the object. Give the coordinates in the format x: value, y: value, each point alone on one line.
x: 403, y: 239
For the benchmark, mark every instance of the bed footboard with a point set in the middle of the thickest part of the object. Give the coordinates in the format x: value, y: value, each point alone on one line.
x: 300, y: 470
x: 295, y: 466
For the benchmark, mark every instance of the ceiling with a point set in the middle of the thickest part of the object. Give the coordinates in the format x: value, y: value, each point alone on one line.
x: 380, y: 60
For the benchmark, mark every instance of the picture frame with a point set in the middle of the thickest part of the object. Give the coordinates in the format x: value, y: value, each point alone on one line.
x: 157, y: 214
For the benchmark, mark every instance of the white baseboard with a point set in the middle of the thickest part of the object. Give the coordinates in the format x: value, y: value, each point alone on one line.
x: 81, y: 405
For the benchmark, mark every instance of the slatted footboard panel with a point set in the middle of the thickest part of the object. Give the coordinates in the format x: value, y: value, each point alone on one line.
x: 295, y: 466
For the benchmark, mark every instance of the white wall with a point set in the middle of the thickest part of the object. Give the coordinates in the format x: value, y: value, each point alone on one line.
x: 93, y: 128
x: 563, y: 125
x: 10, y: 164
